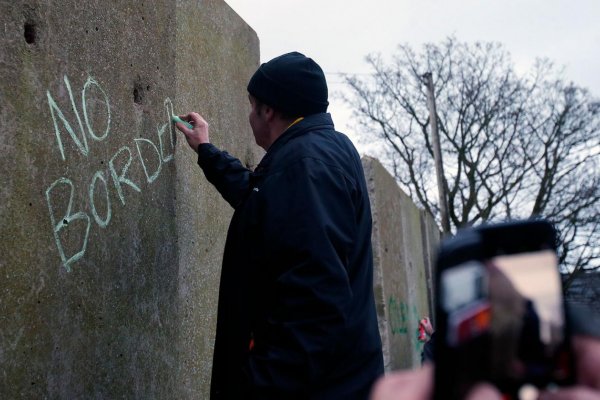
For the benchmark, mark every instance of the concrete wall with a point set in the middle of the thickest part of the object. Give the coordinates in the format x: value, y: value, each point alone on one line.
x: 404, y: 243
x: 111, y: 237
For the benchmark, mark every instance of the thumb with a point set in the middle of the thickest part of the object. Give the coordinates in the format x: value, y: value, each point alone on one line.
x: 484, y: 391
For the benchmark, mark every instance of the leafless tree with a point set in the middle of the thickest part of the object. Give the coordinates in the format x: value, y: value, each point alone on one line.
x: 514, y: 146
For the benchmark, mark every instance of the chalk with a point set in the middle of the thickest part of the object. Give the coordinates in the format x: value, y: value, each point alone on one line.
x: 175, y: 119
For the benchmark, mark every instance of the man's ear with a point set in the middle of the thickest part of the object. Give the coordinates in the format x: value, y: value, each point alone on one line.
x: 269, y: 113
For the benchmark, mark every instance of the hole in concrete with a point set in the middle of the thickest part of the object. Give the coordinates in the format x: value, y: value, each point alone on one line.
x: 148, y: 87
x: 139, y: 90
x: 96, y: 29
x: 29, y: 33
x: 65, y: 222
x: 137, y: 95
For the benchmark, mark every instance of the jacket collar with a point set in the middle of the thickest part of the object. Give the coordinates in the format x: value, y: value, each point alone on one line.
x: 312, y: 122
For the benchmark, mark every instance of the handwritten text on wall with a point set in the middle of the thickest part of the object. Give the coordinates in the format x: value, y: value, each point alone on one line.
x: 160, y: 149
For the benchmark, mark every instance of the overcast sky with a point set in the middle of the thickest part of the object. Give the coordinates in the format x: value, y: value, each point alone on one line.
x: 338, y: 34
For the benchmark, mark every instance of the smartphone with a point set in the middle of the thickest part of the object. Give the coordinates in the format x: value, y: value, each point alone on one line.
x: 500, y: 312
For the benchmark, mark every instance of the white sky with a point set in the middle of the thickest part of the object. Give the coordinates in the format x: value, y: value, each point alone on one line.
x: 338, y: 34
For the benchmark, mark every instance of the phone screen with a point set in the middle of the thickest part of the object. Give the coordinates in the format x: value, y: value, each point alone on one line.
x: 528, y: 321
x: 504, y: 323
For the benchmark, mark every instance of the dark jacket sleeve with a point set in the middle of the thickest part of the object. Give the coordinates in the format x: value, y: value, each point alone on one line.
x: 428, y: 353
x: 309, y: 227
x: 225, y: 172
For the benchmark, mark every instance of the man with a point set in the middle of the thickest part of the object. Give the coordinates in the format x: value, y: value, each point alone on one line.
x: 296, y: 316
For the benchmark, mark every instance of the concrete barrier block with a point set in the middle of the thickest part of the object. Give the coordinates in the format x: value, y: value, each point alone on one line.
x: 112, y: 238
x: 401, y: 290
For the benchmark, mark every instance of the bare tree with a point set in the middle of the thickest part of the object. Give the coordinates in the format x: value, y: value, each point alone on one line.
x: 514, y: 146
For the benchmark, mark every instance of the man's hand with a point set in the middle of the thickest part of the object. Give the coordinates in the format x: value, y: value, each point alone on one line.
x: 199, y: 134
x: 425, y: 330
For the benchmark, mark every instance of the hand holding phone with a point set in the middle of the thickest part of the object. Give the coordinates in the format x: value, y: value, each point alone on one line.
x: 504, y: 276
x: 418, y: 384
x: 500, y: 312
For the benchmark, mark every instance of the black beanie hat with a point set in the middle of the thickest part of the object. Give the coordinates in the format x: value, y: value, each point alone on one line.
x: 291, y: 83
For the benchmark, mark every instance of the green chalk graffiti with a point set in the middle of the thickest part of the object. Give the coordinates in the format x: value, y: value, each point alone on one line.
x: 398, y: 314
x: 81, y: 140
x: 400, y: 317
x: 64, y: 223
x: 118, y: 167
x: 84, y: 103
x: 102, y: 223
x: 119, y: 179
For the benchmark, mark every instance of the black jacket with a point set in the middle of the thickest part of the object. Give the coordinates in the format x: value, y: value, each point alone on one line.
x: 296, y: 314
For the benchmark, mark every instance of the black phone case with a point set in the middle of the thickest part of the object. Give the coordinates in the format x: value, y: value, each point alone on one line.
x: 480, y: 244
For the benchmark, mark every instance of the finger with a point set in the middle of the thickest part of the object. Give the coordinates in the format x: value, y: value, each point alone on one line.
x: 573, y: 393
x: 181, y: 124
x: 484, y: 391
x: 182, y: 128
x: 186, y: 117
x: 587, y: 353
x: 194, y: 118
x: 426, y: 324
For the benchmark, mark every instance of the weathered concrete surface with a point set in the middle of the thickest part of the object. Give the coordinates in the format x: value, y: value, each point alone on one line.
x: 111, y: 238
x: 403, y: 241
x: 217, y: 54
x: 431, y: 236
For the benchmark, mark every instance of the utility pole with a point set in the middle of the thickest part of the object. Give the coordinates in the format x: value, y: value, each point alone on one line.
x: 437, y: 153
